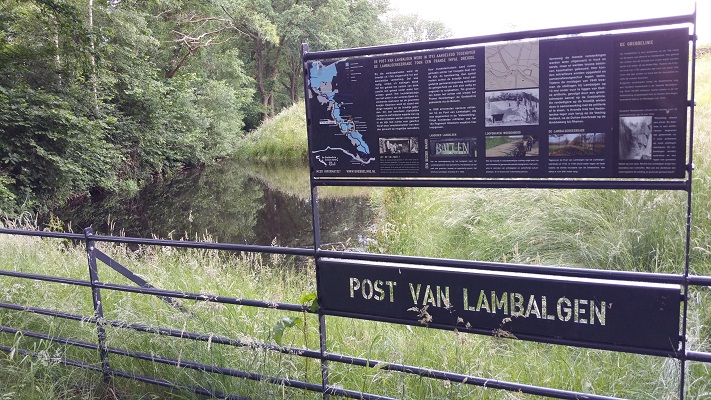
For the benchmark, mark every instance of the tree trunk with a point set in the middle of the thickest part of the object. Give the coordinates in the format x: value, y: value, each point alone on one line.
x: 293, y: 73
x: 261, y: 86
x: 273, y: 74
x: 57, y: 59
x: 93, y: 59
x: 267, y: 73
x: 294, y: 79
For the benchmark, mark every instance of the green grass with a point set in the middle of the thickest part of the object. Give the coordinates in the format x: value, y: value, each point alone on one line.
x: 243, y: 276
x: 248, y: 277
x: 282, y: 138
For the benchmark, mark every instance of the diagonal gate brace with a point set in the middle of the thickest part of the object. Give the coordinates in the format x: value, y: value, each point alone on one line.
x: 103, y: 257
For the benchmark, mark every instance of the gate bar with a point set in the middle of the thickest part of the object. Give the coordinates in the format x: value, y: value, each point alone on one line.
x: 98, y: 307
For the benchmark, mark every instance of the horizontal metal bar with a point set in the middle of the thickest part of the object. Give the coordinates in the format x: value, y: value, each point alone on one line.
x: 295, y: 251
x: 512, y: 183
x: 46, y: 278
x: 206, y: 297
x: 128, y: 375
x: 168, y: 332
x: 194, y: 389
x: 165, y: 293
x: 166, y: 383
x: 489, y: 383
x: 505, y: 267
x: 698, y: 356
x: 205, y: 245
x: 61, y: 360
x: 169, y: 361
x: 425, y: 372
x: 56, y: 339
x: 501, y: 37
x: 58, y: 235
x: 217, y: 370
x: 341, y: 392
x: 460, y: 378
x: 51, y: 313
x: 215, y: 339
x: 438, y: 262
x: 699, y: 280
x: 434, y: 374
x: 441, y: 262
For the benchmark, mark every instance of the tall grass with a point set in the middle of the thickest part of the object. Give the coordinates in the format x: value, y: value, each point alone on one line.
x: 248, y: 277
x: 236, y: 275
x: 639, y: 231
x: 282, y: 138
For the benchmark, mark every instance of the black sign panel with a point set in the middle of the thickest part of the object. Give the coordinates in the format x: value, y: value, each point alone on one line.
x: 611, y: 106
x: 593, y: 313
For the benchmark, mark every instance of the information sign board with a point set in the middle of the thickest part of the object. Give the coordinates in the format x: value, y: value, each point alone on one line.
x: 605, y: 106
x: 587, y: 312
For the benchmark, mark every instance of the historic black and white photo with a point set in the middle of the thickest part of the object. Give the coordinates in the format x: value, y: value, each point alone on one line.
x: 398, y: 145
x: 636, y: 138
x: 512, y: 107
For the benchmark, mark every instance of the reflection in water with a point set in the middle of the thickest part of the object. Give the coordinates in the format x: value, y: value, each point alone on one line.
x: 230, y: 203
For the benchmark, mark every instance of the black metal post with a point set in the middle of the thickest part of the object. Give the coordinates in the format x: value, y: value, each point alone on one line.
x: 323, y: 343
x: 690, y: 170
x: 98, y: 307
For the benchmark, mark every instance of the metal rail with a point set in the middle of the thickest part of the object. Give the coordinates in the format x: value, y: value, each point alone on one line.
x: 314, y: 354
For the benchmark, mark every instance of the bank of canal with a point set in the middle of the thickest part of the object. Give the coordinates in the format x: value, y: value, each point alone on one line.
x: 231, y: 202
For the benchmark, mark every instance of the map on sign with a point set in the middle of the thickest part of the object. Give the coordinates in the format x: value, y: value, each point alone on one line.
x: 512, y: 66
x: 323, y: 82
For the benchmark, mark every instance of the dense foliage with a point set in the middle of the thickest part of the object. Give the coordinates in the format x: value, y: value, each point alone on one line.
x: 103, y: 94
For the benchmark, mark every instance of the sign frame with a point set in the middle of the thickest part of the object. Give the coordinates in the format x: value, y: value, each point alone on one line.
x: 353, y: 134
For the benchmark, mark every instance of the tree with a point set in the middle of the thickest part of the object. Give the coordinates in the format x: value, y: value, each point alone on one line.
x: 95, y: 92
x: 86, y: 103
x: 270, y: 32
x: 412, y: 28
x: 51, y: 144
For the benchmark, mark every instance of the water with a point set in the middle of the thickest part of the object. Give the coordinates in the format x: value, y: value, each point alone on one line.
x: 231, y: 203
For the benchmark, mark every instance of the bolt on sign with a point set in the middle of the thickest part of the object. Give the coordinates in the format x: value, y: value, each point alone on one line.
x: 606, y: 314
